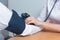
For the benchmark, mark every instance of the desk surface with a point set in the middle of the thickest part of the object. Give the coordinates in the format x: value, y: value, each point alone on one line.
x: 40, y: 36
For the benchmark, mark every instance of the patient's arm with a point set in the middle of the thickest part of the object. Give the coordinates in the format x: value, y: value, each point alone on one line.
x: 31, y: 29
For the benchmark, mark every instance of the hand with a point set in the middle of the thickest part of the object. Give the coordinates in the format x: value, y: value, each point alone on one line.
x: 31, y: 20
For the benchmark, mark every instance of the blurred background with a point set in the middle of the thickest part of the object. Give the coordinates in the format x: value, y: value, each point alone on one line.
x: 33, y: 7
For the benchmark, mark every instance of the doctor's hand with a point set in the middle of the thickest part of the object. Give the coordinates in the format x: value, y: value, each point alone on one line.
x: 31, y: 19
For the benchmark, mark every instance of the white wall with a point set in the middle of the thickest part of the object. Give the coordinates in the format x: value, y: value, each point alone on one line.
x: 4, y: 2
x: 33, y: 7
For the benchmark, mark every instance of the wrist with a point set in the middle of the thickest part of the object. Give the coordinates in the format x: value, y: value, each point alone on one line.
x: 37, y: 23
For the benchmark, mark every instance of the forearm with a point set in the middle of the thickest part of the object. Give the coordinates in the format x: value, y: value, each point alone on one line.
x: 50, y: 26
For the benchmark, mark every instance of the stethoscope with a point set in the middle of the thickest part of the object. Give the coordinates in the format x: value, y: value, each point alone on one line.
x: 50, y: 11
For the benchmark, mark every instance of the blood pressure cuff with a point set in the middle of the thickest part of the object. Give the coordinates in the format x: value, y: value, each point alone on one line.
x: 16, y: 24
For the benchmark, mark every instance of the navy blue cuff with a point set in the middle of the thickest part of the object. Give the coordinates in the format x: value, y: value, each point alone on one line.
x: 16, y: 24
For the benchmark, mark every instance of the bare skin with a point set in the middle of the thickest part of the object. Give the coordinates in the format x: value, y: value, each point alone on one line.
x: 46, y: 25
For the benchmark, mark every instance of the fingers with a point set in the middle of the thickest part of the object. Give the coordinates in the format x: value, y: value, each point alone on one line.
x: 29, y: 20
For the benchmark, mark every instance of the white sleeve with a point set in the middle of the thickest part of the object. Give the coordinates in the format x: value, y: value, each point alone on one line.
x: 43, y: 13
x: 5, y: 15
x: 31, y: 29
